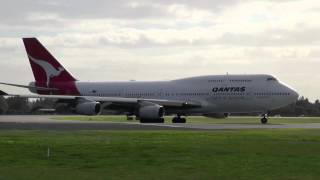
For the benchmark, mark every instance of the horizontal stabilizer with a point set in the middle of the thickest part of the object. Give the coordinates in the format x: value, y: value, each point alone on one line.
x: 3, y: 93
x: 31, y: 87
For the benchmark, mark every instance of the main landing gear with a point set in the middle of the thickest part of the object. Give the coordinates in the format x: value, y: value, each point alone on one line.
x: 160, y: 120
x: 178, y: 119
x: 264, y: 119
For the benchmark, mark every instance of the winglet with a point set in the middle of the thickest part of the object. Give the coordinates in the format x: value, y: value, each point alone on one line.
x: 3, y: 93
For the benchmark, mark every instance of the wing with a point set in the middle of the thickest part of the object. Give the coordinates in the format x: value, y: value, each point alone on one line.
x: 115, y: 101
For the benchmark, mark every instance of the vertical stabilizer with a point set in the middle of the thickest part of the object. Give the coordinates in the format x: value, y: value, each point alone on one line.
x: 46, y: 69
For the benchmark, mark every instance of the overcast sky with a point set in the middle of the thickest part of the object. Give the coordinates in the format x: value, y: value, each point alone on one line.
x: 110, y: 40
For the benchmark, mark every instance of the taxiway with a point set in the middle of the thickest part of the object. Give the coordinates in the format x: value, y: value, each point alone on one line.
x: 31, y: 122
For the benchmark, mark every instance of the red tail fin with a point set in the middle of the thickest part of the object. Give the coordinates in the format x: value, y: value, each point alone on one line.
x: 46, y: 69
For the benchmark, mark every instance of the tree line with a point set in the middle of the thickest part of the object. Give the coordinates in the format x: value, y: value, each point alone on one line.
x: 17, y: 105
x: 303, y: 107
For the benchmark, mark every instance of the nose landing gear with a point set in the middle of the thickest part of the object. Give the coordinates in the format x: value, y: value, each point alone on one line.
x: 264, y: 119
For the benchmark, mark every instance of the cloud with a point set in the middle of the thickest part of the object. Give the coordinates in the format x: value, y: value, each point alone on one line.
x: 212, y: 5
x: 163, y: 39
x: 25, y: 11
x: 14, y: 10
x: 274, y: 38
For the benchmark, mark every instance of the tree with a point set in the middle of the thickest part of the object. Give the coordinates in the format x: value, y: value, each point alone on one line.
x: 302, y: 107
x: 17, y: 105
x: 41, y: 103
x: 3, y: 105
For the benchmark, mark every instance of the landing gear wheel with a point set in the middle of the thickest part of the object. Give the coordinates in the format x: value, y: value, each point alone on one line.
x: 179, y: 120
x: 175, y: 120
x: 264, y: 120
x: 160, y: 120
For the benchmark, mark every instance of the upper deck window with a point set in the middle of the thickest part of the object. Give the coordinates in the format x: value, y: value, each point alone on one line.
x: 240, y: 80
x: 216, y: 80
x: 271, y: 79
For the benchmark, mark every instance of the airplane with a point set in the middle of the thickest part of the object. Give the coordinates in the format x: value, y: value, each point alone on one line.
x: 213, y: 96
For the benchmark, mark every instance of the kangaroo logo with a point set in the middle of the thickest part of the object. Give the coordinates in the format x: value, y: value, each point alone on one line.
x: 48, y: 68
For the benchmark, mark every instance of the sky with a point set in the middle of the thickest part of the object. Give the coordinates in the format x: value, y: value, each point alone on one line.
x: 108, y: 40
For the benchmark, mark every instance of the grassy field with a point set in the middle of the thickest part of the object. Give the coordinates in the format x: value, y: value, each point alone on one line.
x: 199, y: 119
x: 236, y: 154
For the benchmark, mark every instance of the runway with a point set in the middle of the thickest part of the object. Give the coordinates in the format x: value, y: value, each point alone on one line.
x: 31, y: 122
x: 47, y: 123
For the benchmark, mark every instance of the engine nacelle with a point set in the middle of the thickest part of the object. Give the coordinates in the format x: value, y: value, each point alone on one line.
x: 88, y: 108
x: 151, y: 112
x: 31, y: 89
x: 217, y: 115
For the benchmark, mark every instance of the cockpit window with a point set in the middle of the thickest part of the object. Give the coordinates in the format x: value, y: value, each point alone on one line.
x: 271, y: 79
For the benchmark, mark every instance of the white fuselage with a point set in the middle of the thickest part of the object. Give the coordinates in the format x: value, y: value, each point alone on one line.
x: 216, y: 94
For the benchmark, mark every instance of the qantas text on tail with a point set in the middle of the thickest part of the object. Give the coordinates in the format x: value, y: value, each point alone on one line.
x: 212, y: 96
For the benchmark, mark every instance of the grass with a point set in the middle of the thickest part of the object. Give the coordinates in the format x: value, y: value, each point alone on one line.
x: 199, y: 119
x: 94, y: 118
x: 233, y: 154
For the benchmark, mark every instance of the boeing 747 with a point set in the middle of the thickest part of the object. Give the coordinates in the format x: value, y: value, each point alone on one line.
x: 212, y: 96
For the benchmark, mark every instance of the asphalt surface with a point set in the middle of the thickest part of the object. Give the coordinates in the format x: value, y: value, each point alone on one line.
x: 47, y: 123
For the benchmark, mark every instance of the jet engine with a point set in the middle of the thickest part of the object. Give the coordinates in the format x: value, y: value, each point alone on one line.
x: 151, y: 113
x: 88, y: 108
x: 217, y: 115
